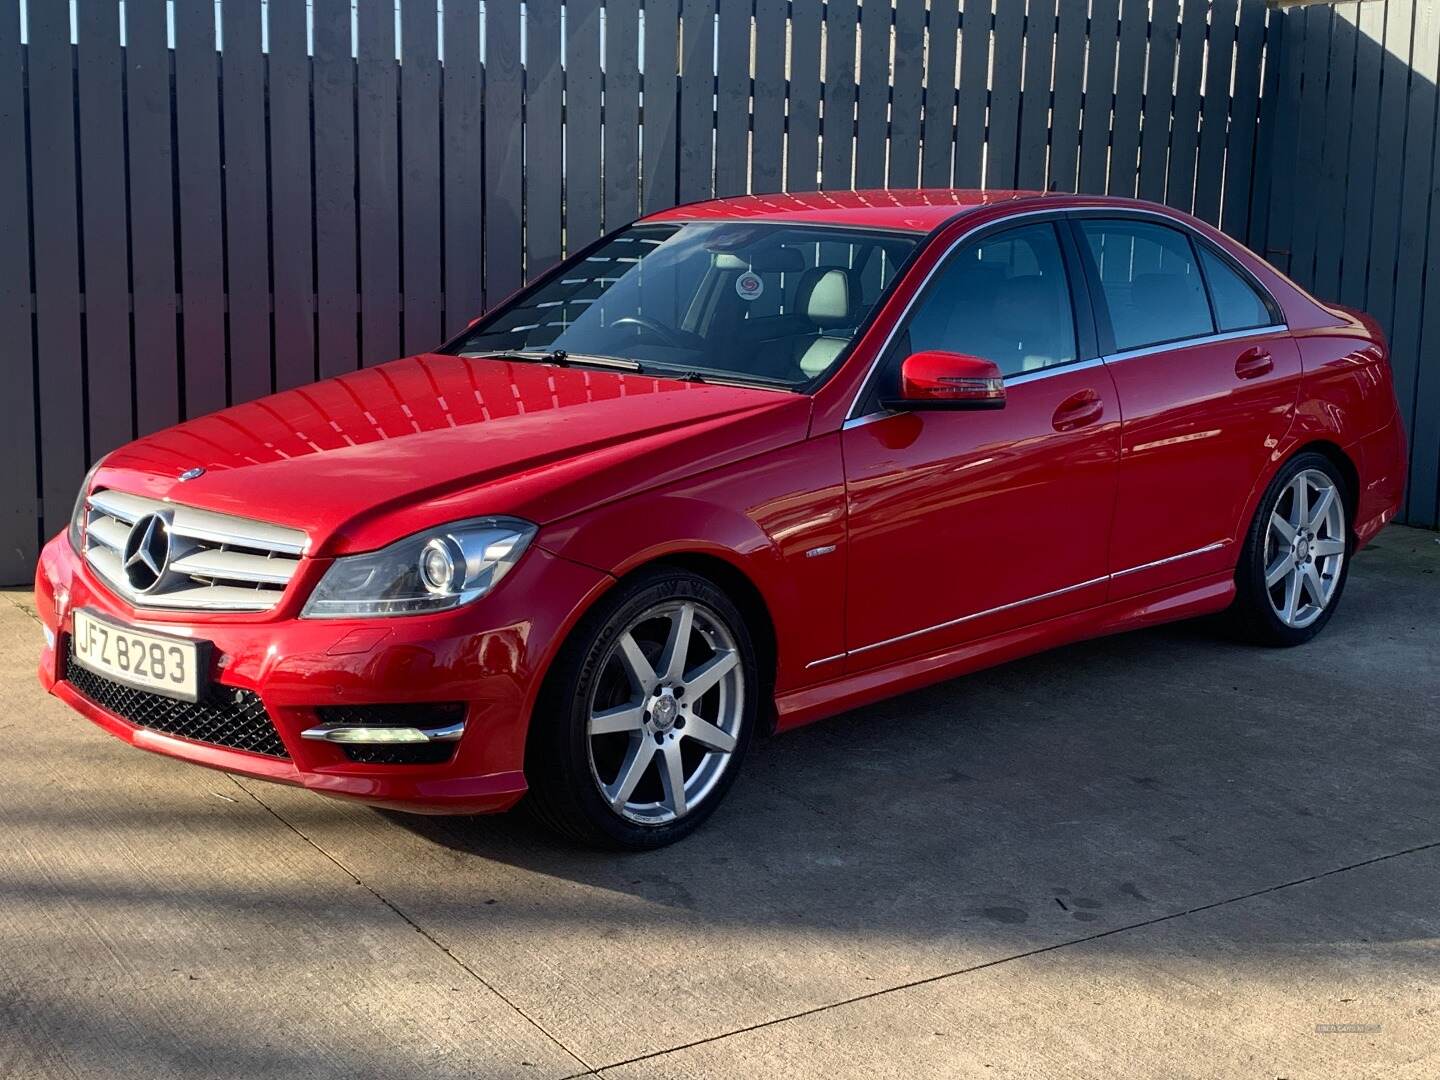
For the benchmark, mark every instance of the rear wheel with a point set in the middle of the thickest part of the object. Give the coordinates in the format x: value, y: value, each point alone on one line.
x: 1292, y: 570
x: 646, y: 715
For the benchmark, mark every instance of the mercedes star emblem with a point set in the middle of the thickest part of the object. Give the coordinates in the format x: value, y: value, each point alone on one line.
x: 147, y: 553
x: 191, y: 474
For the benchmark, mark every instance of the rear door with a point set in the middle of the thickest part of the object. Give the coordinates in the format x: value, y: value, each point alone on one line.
x: 965, y: 524
x: 1207, y: 376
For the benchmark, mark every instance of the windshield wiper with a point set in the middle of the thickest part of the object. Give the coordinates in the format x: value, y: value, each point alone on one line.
x: 724, y: 378
x: 560, y: 357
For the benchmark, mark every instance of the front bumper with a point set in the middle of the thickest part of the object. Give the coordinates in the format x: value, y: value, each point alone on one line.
x: 489, y: 655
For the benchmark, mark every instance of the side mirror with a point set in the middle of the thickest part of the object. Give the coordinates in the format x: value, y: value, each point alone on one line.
x: 946, y: 380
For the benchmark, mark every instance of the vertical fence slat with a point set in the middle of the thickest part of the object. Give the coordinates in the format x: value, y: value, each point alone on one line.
x: 1313, y: 96
x: 1159, y: 76
x: 732, y: 105
x: 19, y: 507
x: 1184, y: 132
x: 1257, y: 232
x: 975, y: 23
x: 1064, y: 166
x: 544, y: 146
x: 1099, y: 95
x: 582, y: 123
x: 202, y: 228
x: 1423, y: 491
x: 336, y: 243
x: 421, y: 244
x: 658, y: 130
x: 1405, y: 335
x: 1361, y: 171
x: 1389, y: 153
x: 622, y: 112
x: 1215, y: 110
x: 1333, y: 174
x: 1129, y: 99
x: 1035, y: 95
x: 937, y: 151
x: 906, y: 99
x: 802, y: 147
x: 1244, y: 112
x: 103, y: 220
x: 1004, y: 130
x: 246, y: 210
x: 291, y: 213
x: 57, y: 259
x: 152, y: 216
x: 873, y: 94
x: 1279, y: 213
x: 768, y: 141
x: 697, y: 31
x: 376, y: 138
x: 837, y: 150
x: 504, y: 152
x: 463, y: 177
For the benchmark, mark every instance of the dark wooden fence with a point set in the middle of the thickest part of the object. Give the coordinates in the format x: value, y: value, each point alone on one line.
x: 1353, y: 211
x: 201, y: 214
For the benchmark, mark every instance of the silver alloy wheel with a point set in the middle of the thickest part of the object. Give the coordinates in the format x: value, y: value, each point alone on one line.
x: 666, y: 712
x: 1304, y: 548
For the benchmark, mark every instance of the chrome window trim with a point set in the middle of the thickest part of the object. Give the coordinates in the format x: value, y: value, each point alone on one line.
x: 1024, y: 377
x: 1190, y: 342
x: 1069, y: 214
x: 1216, y: 546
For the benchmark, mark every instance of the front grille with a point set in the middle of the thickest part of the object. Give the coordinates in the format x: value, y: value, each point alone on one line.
x: 226, y: 717
x: 417, y: 716
x: 215, y: 562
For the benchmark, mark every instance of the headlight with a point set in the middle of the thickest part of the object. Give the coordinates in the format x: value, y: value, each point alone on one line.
x: 78, y: 514
x: 430, y: 571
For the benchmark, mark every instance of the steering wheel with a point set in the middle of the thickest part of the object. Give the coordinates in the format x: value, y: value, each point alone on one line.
x: 656, y: 328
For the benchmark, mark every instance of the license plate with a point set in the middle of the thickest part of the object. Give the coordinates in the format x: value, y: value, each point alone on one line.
x: 163, y: 665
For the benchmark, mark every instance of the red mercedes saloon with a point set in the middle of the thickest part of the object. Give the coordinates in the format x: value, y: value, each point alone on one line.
x: 736, y: 467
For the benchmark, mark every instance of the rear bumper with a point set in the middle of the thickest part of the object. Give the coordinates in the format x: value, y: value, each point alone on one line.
x: 489, y: 655
x: 1380, y: 459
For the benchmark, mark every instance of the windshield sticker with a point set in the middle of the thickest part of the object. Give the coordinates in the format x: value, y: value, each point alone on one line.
x: 749, y: 285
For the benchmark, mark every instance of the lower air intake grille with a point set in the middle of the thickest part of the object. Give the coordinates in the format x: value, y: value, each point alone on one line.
x: 227, y: 717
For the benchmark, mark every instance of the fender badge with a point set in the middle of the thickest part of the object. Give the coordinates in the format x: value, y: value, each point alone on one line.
x: 191, y: 474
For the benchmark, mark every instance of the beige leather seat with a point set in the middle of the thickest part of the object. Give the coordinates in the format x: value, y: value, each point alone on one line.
x: 826, y: 296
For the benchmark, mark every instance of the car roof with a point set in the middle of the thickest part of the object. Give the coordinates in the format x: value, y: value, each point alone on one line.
x: 905, y: 209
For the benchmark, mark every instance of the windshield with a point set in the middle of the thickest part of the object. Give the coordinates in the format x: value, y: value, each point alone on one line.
x: 766, y: 303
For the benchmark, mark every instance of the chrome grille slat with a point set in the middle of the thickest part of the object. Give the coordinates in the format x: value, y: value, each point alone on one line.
x: 218, y: 562
x: 233, y: 565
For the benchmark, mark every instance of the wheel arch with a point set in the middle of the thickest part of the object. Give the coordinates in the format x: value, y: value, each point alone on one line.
x: 1344, y: 464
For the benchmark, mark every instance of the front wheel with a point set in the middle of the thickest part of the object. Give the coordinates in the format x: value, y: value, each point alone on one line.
x: 644, y: 719
x: 1293, y: 567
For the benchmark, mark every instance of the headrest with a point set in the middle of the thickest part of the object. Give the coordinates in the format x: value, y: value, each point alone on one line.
x: 823, y: 296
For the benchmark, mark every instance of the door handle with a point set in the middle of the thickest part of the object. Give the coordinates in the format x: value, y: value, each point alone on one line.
x: 1078, y: 410
x: 1253, y: 363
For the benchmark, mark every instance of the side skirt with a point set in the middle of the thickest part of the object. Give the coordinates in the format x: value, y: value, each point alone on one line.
x: 1202, y: 596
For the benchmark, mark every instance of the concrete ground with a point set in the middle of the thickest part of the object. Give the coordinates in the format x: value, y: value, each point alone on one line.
x: 1155, y: 855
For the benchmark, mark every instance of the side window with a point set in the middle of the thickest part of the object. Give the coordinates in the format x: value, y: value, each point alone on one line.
x: 1237, y: 305
x: 1150, y: 281
x: 1005, y: 298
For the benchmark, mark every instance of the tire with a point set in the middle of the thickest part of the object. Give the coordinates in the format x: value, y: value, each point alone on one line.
x: 619, y: 715
x: 1288, y: 586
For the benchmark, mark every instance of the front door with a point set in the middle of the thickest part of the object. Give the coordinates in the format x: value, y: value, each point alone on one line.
x: 965, y: 524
